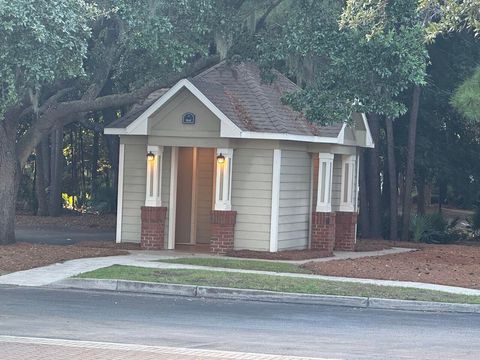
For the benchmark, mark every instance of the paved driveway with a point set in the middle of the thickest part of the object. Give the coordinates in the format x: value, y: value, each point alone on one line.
x: 59, y: 235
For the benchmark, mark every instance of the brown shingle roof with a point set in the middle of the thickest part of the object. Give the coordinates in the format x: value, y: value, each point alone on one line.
x: 239, y: 92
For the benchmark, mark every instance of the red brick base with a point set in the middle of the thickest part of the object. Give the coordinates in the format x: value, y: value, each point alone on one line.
x: 323, y: 231
x: 345, y: 231
x: 223, y: 228
x: 153, y: 228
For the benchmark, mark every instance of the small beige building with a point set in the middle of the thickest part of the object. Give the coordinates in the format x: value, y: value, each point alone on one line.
x: 219, y: 161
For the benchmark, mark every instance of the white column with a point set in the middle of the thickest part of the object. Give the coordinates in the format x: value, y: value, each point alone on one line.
x: 172, y: 206
x: 154, y: 176
x: 276, y: 170
x: 121, y: 174
x: 349, y: 172
x: 223, y: 183
x: 325, y: 176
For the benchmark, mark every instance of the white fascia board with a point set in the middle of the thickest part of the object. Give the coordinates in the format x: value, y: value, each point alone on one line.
x: 289, y: 137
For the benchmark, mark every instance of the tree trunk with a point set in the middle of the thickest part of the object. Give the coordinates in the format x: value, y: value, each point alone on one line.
x: 364, y: 219
x: 9, y: 181
x: 56, y: 172
x: 392, y: 179
x: 410, y: 168
x: 94, y: 165
x: 373, y: 179
x: 82, y: 167
x: 40, y: 180
x: 421, y: 195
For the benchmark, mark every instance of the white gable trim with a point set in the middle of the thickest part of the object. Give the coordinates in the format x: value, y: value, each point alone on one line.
x: 140, y: 125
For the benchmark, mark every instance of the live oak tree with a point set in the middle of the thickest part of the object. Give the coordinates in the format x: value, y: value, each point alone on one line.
x: 57, y: 57
x: 62, y: 60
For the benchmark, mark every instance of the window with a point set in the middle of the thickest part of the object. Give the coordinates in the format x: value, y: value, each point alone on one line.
x: 348, y: 192
x: 324, y: 192
x: 223, y: 182
x: 154, y: 176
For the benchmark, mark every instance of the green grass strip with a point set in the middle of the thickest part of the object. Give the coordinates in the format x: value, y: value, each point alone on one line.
x: 273, y: 283
x: 273, y: 266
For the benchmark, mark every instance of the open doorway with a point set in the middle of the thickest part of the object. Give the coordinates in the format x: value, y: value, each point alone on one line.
x: 195, y: 184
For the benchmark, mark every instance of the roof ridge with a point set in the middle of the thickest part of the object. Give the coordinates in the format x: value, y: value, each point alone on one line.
x: 210, y: 69
x: 263, y: 100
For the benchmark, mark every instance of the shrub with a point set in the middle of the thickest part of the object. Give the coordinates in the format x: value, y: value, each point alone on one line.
x: 474, y: 223
x: 423, y: 227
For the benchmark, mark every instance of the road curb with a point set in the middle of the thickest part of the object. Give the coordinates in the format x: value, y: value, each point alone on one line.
x: 262, y: 295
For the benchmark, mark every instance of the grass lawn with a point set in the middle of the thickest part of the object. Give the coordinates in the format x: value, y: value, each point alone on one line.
x: 241, y: 264
x: 272, y: 283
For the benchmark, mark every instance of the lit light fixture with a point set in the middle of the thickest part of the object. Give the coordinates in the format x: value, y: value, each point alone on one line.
x: 150, y: 156
x: 220, y: 159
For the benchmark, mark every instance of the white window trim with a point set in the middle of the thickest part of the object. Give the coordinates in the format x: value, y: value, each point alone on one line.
x: 153, y: 193
x: 326, y: 205
x: 223, y: 181
x: 349, y: 205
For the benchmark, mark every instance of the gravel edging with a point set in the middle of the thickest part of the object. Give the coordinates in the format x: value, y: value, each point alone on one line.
x: 262, y: 295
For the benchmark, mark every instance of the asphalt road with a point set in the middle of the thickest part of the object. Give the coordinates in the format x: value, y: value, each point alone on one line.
x: 302, y: 330
x: 58, y: 235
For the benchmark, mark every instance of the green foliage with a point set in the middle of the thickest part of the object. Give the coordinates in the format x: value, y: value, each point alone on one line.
x: 423, y: 226
x: 434, y: 229
x: 104, y: 201
x: 42, y: 42
x: 438, y: 16
x: 466, y: 98
x: 342, y: 70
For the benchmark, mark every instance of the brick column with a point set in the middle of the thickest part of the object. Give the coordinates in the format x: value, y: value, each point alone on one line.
x: 345, y: 231
x: 223, y: 228
x: 323, y: 231
x: 153, y: 228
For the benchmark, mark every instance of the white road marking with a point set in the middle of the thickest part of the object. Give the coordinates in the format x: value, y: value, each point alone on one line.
x: 150, y: 349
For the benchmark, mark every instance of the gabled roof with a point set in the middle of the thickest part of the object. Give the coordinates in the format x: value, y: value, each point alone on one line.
x: 248, y: 107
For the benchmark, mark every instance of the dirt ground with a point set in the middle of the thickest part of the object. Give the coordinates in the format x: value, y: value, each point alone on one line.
x: 455, y: 265
x: 24, y: 256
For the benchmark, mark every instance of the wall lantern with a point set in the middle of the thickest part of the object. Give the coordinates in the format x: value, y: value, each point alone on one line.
x: 150, y: 156
x: 220, y: 159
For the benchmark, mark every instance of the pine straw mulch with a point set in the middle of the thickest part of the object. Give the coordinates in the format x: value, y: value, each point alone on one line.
x: 454, y: 265
x: 70, y: 219
x: 23, y: 256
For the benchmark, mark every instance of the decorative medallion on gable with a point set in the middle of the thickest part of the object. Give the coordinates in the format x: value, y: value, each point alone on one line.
x: 188, y: 118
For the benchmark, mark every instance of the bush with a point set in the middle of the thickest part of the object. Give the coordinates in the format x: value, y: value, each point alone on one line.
x: 434, y: 229
x: 474, y: 223
x: 423, y: 227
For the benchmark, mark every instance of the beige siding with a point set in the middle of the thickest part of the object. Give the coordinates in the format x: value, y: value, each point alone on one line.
x: 294, y: 212
x: 134, y: 185
x: 252, y: 197
x: 168, y: 121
